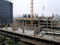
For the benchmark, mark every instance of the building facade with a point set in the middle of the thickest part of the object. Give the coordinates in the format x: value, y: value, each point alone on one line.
x: 43, y: 22
x: 6, y: 12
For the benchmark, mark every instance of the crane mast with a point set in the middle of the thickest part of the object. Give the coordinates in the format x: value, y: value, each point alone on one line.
x: 32, y: 8
x: 32, y: 15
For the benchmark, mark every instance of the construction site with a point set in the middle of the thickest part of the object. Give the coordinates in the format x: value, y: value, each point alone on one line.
x: 29, y: 29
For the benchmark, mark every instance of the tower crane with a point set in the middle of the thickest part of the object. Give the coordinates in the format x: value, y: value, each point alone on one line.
x: 32, y: 3
x: 31, y: 12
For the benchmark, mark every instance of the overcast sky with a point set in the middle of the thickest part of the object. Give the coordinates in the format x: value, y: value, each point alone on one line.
x: 23, y: 7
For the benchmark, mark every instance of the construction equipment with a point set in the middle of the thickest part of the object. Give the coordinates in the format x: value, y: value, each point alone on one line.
x: 32, y: 15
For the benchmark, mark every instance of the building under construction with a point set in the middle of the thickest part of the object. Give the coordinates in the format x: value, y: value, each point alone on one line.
x: 43, y: 22
x: 31, y: 21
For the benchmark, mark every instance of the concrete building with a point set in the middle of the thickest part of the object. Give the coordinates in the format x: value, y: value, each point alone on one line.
x: 42, y: 22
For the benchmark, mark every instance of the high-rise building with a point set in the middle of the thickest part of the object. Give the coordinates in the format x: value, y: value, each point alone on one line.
x: 6, y: 12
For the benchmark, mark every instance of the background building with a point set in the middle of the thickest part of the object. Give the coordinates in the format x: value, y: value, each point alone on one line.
x: 6, y: 12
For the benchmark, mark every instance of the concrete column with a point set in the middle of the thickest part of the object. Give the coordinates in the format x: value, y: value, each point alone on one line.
x: 38, y: 22
x: 13, y: 27
x: 23, y: 30
x: 23, y: 27
x: 51, y: 24
x: 6, y: 27
x: 36, y: 31
x: 47, y: 23
x: 25, y: 22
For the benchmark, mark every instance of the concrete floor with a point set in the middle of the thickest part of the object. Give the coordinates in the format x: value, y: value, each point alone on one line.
x: 31, y: 33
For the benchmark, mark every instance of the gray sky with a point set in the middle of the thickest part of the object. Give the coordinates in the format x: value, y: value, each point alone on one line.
x: 23, y: 7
